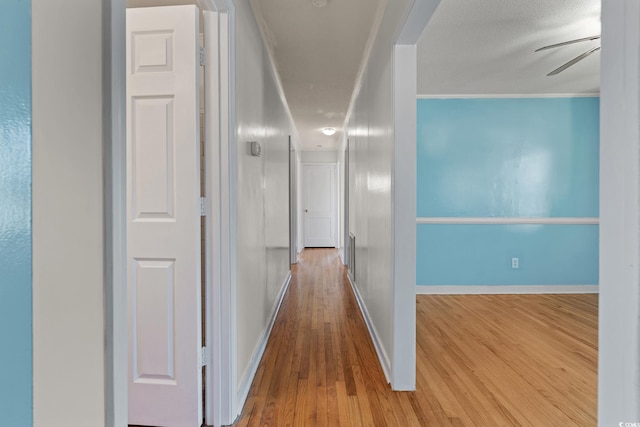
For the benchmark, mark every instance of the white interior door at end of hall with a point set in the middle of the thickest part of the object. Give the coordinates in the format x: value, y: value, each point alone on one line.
x: 163, y: 217
x: 319, y: 182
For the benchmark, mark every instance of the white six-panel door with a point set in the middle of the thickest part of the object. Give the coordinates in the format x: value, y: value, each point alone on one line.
x: 163, y: 217
x: 319, y: 203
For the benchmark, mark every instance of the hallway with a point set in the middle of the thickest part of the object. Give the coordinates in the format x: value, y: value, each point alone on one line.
x: 320, y: 367
x: 482, y: 360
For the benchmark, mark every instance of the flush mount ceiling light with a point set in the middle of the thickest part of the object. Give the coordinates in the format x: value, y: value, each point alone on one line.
x: 319, y: 3
x: 329, y: 131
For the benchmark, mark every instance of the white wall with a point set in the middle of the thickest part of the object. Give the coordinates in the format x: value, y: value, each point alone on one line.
x: 619, y: 308
x: 68, y: 326
x: 262, y: 191
x: 371, y: 135
x: 381, y: 132
x: 319, y: 156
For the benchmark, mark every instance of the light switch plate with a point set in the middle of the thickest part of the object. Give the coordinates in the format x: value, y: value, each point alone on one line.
x: 256, y: 150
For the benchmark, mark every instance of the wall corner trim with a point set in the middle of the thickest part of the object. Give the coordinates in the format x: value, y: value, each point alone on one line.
x: 507, y: 95
x: 509, y: 220
x: 505, y: 289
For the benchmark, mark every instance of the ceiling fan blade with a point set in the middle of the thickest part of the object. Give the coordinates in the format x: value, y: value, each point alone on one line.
x: 573, y: 61
x: 584, y: 39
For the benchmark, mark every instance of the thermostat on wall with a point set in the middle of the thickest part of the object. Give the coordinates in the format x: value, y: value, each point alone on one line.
x: 256, y: 150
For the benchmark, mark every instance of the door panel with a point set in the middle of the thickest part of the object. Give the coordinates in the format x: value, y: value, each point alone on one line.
x: 163, y: 217
x: 153, y: 321
x: 319, y: 182
x: 152, y: 150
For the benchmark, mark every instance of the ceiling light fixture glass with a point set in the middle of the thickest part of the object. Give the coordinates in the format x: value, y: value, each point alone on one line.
x: 329, y: 131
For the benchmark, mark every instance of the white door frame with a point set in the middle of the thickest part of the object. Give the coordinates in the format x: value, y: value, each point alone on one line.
x: 222, y: 377
x: 346, y: 250
x: 293, y: 204
x: 220, y: 298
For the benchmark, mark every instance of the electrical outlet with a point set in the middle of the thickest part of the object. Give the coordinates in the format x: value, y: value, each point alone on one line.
x: 515, y: 262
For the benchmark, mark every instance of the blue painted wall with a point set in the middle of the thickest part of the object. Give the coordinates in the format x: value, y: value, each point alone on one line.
x: 15, y: 214
x: 550, y: 254
x: 511, y: 158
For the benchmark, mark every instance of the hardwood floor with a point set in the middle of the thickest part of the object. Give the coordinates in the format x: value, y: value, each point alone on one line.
x: 498, y: 360
x: 509, y: 359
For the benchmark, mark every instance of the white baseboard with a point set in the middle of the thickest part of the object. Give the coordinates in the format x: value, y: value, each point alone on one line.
x: 500, y: 289
x: 382, y: 355
x: 245, y: 384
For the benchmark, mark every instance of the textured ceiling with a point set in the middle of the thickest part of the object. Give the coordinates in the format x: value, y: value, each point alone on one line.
x: 318, y: 52
x: 469, y: 47
x: 487, y: 48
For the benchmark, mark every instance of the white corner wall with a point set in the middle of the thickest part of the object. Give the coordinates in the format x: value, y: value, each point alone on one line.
x: 371, y: 134
x: 68, y: 307
x: 619, y: 308
x: 262, y: 195
x: 404, y: 184
x: 381, y: 184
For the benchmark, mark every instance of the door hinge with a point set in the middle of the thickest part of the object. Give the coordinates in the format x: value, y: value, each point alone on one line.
x: 202, y: 57
x: 203, y: 356
x: 203, y: 207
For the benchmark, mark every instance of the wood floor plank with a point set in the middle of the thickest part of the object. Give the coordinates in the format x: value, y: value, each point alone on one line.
x: 288, y: 408
x: 333, y: 411
x: 300, y: 416
x: 343, y: 404
x: 482, y: 360
x: 355, y: 413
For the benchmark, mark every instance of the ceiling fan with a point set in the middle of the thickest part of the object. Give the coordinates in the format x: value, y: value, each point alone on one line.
x: 574, y: 60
